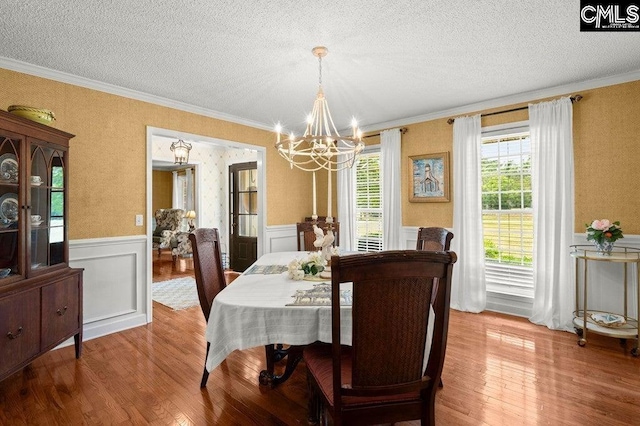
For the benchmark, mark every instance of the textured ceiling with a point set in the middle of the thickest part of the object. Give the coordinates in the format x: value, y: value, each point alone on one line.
x: 388, y: 60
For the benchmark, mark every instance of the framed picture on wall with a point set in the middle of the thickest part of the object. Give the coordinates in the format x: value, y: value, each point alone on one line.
x: 429, y: 178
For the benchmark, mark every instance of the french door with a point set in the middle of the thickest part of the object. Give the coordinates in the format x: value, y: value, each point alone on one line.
x: 243, y: 210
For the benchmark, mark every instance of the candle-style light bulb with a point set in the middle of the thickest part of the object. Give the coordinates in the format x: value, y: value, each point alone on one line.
x: 309, y: 123
x: 278, y: 131
x: 354, y: 125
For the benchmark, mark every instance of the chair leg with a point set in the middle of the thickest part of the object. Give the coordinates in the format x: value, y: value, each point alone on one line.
x: 205, y: 374
x: 314, y: 414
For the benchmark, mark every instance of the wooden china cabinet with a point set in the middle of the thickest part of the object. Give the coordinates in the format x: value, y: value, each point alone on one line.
x: 40, y: 295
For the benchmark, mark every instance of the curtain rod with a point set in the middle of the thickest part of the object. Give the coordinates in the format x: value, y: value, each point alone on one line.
x: 403, y: 130
x: 574, y: 99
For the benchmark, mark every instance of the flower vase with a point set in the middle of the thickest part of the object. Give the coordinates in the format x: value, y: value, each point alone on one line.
x: 604, y: 247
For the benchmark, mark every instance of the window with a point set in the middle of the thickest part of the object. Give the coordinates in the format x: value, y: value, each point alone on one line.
x: 368, y: 207
x: 507, y: 215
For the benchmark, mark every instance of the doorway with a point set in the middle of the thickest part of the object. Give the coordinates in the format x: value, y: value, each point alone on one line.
x: 243, y: 215
x: 158, y: 143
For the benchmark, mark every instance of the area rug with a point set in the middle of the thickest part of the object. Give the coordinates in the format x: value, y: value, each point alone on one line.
x: 179, y: 293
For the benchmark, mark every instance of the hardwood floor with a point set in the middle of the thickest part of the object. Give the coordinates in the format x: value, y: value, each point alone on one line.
x: 164, y: 268
x: 498, y: 370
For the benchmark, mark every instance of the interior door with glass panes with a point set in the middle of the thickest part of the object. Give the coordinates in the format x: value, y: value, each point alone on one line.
x: 243, y: 210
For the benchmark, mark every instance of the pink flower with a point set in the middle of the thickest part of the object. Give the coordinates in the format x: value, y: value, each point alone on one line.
x: 601, y: 225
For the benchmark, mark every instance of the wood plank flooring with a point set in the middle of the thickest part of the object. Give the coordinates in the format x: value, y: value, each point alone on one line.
x: 499, y: 370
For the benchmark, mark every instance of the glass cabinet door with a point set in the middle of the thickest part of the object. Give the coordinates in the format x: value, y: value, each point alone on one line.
x: 9, y: 205
x: 47, y: 201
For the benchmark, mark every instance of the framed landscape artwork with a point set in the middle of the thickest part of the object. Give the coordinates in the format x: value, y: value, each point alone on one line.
x: 429, y: 178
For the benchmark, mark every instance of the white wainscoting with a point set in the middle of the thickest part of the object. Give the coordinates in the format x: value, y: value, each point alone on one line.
x: 281, y: 238
x: 114, y: 283
x: 117, y: 276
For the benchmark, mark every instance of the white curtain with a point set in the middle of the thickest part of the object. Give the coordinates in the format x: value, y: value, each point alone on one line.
x: 189, y: 204
x: 391, y: 183
x: 468, y: 286
x: 346, y: 208
x: 176, y: 201
x: 553, y: 216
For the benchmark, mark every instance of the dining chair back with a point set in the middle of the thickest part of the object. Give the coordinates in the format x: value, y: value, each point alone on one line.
x: 391, y: 370
x: 433, y: 239
x: 306, y: 236
x: 209, y: 272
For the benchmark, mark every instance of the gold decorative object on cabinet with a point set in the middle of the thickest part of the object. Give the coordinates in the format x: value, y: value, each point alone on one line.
x: 39, y: 115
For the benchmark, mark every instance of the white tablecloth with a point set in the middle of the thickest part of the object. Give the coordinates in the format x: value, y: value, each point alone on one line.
x: 252, y: 311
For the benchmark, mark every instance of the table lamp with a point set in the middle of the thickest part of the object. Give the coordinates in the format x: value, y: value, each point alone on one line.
x: 190, y: 215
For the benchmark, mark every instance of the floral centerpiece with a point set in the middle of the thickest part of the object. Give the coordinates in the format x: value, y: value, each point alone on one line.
x: 311, y: 266
x: 603, y: 233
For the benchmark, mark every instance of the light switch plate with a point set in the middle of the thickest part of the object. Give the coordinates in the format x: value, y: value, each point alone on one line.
x: 139, y: 220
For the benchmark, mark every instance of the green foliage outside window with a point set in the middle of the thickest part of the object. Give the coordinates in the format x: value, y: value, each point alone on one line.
x: 368, y: 173
x: 506, y: 186
x: 507, y: 200
x: 57, y: 196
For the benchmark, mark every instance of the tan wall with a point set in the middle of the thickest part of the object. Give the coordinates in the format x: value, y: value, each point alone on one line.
x: 606, y: 134
x: 162, y: 196
x: 108, y: 154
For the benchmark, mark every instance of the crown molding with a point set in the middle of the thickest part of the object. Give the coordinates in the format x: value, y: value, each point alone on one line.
x: 63, y: 77
x: 510, y: 100
x: 38, y: 71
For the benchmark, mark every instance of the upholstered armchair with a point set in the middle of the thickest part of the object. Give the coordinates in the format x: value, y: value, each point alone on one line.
x: 182, y: 246
x: 168, y: 222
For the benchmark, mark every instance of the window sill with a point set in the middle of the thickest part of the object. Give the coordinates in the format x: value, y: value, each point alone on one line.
x: 511, y: 304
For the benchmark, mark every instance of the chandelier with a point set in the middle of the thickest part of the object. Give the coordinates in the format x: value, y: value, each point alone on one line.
x: 180, y: 151
x: 321, y: 146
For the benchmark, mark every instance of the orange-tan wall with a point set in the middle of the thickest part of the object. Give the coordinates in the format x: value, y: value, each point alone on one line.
x: 162, y: 196
x: 108, y: 155
x: 606, y: 137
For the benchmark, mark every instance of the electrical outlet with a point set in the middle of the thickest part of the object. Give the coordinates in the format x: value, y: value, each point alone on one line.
x: 139, y: 220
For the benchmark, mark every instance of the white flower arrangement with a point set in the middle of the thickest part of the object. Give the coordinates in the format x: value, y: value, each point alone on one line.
x: 312, y: 265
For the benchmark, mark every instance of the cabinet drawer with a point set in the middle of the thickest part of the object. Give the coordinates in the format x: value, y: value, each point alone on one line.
x: 19, y: 329
x: 60, y: 308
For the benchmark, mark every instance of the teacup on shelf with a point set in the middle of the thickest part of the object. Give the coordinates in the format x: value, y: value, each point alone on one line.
x: 36, y: 218
x: 36, y: 180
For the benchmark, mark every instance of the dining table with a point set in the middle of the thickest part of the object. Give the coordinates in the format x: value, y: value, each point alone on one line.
x: 259, y: 309
x: 265, y: 307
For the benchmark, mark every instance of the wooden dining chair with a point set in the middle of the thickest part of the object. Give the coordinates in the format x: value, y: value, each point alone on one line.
x: 433, y: 239
x: 209, y: 272
x: 381, y: 377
